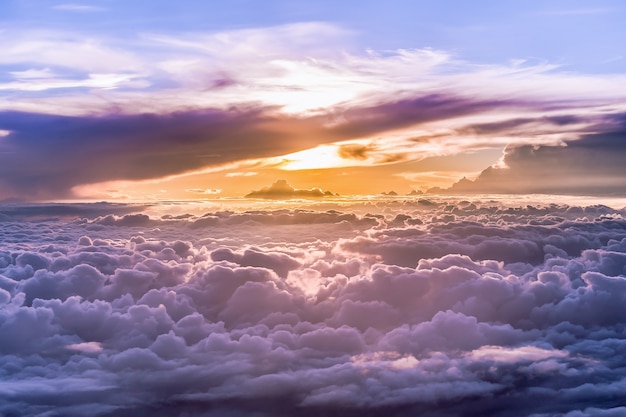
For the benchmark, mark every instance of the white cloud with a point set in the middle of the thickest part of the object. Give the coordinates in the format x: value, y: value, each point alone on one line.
x: 33, y: 73
x: 67, y: 51
x: 268, y: 66
x: 577, y: 11
x: 33, y: 82
x: 76, y: 7
x: 517, y: 354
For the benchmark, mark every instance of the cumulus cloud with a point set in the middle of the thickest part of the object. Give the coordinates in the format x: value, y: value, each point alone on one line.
x: 282, y: 190
x: 423, y: 307
x: 589, y: 166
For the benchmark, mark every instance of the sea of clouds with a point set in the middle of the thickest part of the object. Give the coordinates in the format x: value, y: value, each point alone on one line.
x: 397, y: 308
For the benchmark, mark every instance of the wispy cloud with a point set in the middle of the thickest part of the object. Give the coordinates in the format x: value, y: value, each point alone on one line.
x: 313, y: 106
x: 241, y: 174
x: 576, y: 11
x: 295, y: 71
x: 37, y: 82
x: 207, y: 191
x: 77, y: 7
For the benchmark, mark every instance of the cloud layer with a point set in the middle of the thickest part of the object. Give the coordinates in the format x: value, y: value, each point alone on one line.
x: 395, y: 308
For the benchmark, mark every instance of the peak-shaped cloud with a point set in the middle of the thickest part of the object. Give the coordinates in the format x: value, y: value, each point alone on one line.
x: 282, y: 190
x: 389, y: 193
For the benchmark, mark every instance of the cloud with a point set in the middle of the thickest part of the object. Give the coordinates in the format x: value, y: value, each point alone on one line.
x: 204, y: 139
x: 576, y: 12
x: 17, y: 211
x: 66, y: 54
x: 589, y: 166
x: 159, y: 105
x: 305, y: 312
x: 354, y: 152
x: 208, y: 191
x: 126, y: 220
x: 241, y: 174
x: 75, y: 7
x: 149, y: 146
x: 281, y: 190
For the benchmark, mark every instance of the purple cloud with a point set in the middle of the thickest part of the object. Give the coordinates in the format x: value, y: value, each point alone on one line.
x: 60, y: 150
x: 520, y: 311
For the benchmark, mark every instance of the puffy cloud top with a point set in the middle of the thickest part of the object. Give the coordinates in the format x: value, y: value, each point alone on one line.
x: 282, y: 190
x: 434, y: 307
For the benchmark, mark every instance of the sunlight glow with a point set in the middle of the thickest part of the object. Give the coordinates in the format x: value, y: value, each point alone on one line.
x: 325, y: 156
x: 441, y: 179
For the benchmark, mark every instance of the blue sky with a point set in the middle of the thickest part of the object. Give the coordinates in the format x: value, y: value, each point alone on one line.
x: 579, y: 35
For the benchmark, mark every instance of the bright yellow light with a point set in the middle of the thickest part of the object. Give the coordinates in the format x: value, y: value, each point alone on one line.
x: 320, y: 157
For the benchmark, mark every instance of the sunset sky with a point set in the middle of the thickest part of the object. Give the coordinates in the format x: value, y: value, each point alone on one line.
x: 290, y: 208
x: 121, y: 101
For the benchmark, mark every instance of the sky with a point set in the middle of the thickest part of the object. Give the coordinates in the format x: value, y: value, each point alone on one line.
x: 111, y: 100
x: 312, y: 208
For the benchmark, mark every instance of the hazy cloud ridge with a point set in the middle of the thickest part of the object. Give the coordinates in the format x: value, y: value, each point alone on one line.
x: 592, y: 165
x: 395, y: 308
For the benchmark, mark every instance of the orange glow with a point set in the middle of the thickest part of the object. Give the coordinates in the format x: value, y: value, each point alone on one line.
x: 319, y: 167
x: 320, y: 157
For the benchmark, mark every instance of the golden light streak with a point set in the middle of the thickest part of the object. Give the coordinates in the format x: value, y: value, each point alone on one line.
x: 320, y: 157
